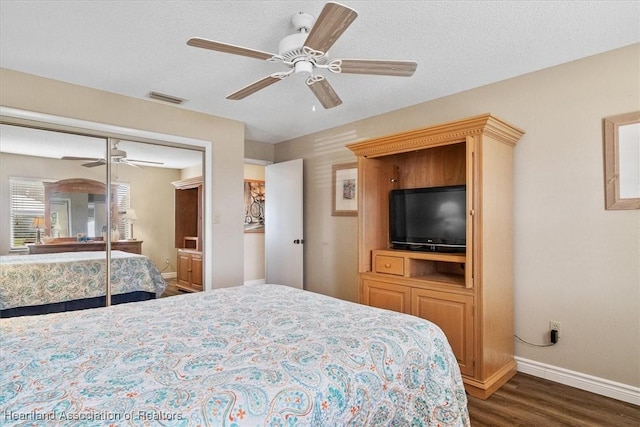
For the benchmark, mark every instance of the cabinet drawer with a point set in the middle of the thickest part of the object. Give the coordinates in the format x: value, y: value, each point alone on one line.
x: 389, y: 265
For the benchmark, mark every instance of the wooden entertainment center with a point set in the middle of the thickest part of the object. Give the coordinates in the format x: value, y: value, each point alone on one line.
x: 188, y: 233
x: 468, y: 295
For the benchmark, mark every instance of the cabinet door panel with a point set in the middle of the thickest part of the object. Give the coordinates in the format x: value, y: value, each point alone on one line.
x: 196, y: 271
x: 375, y: 179
x: 386, y: 295
x: 453, y: 313
x: 184, y: 265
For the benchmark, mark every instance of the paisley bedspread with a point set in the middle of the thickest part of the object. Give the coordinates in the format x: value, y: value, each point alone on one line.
x: 29, y: 280
x: 253, y: 355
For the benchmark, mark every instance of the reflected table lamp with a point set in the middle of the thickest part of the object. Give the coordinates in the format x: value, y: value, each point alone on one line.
x: 38, y: 223
x: 55, y: 231
x: 130, y: 215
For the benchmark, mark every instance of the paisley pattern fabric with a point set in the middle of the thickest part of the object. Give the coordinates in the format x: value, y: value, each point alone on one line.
x: 28, y: 280
x: 254, y: 355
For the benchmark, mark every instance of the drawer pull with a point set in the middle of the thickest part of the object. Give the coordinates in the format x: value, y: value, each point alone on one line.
x: 387, y: 265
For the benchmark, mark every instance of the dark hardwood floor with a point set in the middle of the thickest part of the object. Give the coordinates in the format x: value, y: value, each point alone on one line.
x: 531, y: 401
x: 171, y: 289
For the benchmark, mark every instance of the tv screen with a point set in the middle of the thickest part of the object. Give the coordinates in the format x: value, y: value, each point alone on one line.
x: 430, y: 219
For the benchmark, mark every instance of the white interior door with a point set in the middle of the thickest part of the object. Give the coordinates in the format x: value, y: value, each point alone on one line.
x: 284, y: 224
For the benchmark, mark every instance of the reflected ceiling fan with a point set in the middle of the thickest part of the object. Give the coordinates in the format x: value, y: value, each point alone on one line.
x: 117, y: 156
x: 306, y: 51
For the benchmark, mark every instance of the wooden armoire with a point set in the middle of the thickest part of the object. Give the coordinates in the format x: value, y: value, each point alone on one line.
x: 470, y: 294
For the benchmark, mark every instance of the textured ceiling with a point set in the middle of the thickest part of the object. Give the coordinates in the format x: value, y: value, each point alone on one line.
x: 133, y: 47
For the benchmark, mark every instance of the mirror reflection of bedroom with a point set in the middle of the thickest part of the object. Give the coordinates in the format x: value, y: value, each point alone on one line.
x: 81, y: 209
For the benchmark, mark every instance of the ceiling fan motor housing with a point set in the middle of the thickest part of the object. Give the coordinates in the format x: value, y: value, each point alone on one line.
x: 291, y: 46
x: 118, y: 154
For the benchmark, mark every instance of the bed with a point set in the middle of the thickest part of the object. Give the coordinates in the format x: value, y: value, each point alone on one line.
x: 49, y: 283
x: 252, y: 355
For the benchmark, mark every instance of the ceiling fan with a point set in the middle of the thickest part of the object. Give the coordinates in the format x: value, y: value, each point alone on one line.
x: 306, y: 51
x: 117, y: 156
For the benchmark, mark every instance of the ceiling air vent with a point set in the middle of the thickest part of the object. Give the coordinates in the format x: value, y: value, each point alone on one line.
x: 166, y: 98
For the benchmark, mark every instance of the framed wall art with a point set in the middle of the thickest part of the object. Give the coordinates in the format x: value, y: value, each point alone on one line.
x: 622, y: 161
x: 253, y: 206
x: 345, y: 189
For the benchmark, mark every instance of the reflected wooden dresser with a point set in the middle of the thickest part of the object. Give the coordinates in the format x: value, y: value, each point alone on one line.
x: 131, y: 246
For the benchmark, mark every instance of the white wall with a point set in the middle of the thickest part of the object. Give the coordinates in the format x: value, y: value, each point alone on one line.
x: 575, y: 262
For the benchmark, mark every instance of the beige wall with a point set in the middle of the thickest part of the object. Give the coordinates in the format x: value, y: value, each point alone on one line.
x: 191, y: 172
x: 225, y: 251
x: 254, y: 150
x: 330, y: 252
x: 575, y: 262
x: 151, y: 226
x: 254, y: 255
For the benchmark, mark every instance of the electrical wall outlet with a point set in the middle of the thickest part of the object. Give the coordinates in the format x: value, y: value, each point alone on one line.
x: 554, y: 325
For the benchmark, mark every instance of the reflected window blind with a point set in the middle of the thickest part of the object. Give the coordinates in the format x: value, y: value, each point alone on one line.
x: 123, y: 203
x: 26, y: 203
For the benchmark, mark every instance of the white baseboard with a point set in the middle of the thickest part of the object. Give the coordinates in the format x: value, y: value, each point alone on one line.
x: 256, y: 282
x: 600, y: 386
x: 171, y: 275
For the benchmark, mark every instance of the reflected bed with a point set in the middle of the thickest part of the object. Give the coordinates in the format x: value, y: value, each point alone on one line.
x: 50, y: 283
x: 249, y: 355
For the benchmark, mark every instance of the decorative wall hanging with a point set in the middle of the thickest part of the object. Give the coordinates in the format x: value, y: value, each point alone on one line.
x: 622, y: 161
x: 345, y: 189
x: 253, y: 206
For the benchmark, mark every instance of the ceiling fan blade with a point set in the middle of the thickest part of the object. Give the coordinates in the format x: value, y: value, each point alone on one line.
x: 229, y: 48
x: 324, y: 92
x: 379, y: 67
x: 94, y: 164
x: 79, y: 158
x: 128, y: 163
x: 144, y: 161
x: 253, y: 88
x: 331, y: 23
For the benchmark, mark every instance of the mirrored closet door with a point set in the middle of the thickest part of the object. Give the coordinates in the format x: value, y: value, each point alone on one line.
x: 98, y: 202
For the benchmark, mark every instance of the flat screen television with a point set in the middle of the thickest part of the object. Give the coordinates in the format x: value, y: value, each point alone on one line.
x: 429, y: 219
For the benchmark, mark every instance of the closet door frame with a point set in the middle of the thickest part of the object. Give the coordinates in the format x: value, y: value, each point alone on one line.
x: 14, y: 116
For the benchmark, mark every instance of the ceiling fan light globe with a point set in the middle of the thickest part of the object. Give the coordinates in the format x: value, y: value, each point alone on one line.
x: 305, y: 67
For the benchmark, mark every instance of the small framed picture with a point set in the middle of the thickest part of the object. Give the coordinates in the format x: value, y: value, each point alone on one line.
x: 345, y: 189
x: 254, y: 198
